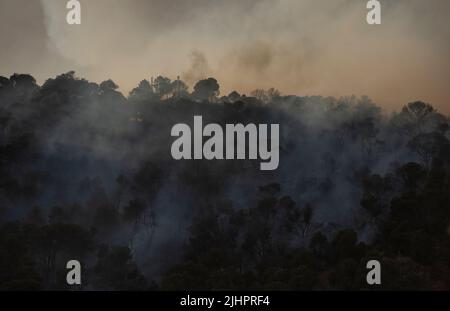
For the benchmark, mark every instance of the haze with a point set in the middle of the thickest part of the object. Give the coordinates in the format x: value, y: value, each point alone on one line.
x: 301, y: 47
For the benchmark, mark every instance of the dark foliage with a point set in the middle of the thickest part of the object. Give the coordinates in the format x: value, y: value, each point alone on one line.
x: 86, y: 174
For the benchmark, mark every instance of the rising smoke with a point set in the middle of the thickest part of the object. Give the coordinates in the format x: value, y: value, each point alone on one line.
x: 300, y: 47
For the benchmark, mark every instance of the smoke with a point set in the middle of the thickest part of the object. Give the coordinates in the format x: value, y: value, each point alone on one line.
x: 199, y: 68
x: 23, y: 39
x: 89, y: 152
x: 300, y: 47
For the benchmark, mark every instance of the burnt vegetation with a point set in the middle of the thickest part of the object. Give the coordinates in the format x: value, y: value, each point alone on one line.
x: 86, y: 174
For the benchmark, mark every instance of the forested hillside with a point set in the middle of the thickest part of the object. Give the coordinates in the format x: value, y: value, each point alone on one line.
x: 86, y: 173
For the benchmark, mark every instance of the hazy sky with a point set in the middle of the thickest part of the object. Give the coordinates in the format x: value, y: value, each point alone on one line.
x: 303, y: 47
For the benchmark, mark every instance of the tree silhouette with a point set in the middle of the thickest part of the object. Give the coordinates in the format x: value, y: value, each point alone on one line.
x: 207, y: 89
x: 163, y: 87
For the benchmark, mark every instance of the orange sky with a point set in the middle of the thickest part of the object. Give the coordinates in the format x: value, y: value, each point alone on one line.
x: 303, y: 47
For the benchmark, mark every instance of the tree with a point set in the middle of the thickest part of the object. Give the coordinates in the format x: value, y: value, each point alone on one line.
x: 207, y: 89
x: 234, y: 96
x: 4, y: 82
x: 412, y: 175
x: 109, y: 93
x: 133, y: 211
x: 344, y: 244
x: 18, y: 264
x: 307, y: 217
x: 319, y: 245
x: 163, y: 87
x: 108, y: 85
x: 266, y: 96
x: 55, y: 244
x: 179, y: 89
x: 414, y: 118
x: 22, y: 80
x: 418, y: 110
x: 116, y: 270
x: 428, y: 146
x: 144, y: 91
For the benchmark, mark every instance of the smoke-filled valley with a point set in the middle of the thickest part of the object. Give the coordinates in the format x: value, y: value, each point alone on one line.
x: 86, y: 174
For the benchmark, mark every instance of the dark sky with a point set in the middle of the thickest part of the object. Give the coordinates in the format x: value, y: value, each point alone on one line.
x: 303, y: 47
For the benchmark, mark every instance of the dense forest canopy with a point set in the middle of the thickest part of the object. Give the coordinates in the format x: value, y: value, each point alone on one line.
x: 86, y: 174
